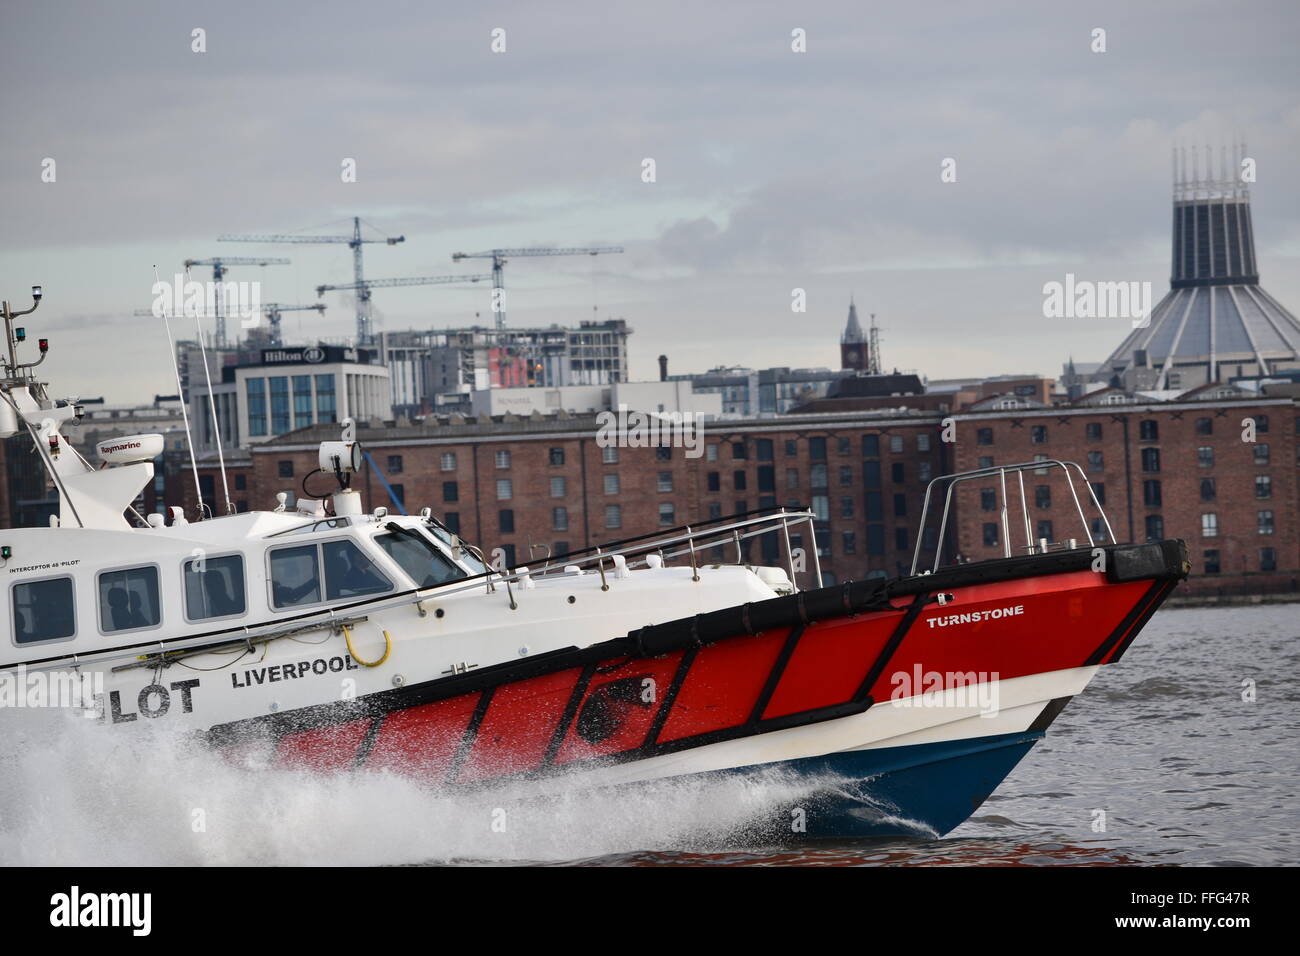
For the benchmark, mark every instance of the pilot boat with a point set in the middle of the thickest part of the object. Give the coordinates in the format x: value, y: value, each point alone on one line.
x: 334, y: 638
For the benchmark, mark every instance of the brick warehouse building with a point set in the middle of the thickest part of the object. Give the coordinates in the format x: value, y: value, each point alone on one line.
x: 1162, y: 469
x: 544, y: 482
x: 1171, y: 469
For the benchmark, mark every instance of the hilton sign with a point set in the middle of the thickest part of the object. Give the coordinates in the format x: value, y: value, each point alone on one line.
x: 309, y: 355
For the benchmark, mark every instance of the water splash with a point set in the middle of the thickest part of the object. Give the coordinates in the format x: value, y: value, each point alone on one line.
x: 73, y: 792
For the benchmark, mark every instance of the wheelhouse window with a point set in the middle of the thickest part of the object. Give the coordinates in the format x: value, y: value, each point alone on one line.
x: 295, y: 576
x: 128, y: 599
x: 419, y: 559
x: 214, y: 587
x: 43, y: 611
x: 348, y: 573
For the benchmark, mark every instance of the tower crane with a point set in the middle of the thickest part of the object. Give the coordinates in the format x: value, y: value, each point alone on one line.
x: 272, y: 312
x: 355, y: 242
x: 499, y: 258
x: 366, y: 285
x: 219, y: 265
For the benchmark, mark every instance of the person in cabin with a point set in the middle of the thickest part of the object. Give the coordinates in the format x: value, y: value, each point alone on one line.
x: 139, y: 617
x: 119, y: 610
x: 217, y: 597
x: 287, y: 595
x: 351, y: 574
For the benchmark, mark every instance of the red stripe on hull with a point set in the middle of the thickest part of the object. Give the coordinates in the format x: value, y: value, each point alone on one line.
x: 722, y: 687
x: 421, y: 741
x: 607, y: 722
x: 323, y: 750
x: 1066, y: 617
x: 830, y: 663
x: 518, y: 726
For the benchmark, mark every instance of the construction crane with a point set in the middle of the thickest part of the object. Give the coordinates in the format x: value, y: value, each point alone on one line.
x: 219, y: 265
x: 499, y: 258
x: 366, y: 285
x: 355, y: 242
x: 272, y: 312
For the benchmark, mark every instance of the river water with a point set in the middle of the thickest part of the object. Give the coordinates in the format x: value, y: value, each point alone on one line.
x: 1183, y: 753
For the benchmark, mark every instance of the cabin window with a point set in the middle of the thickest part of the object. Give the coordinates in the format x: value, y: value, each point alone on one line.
x: 128, y: 599
x: 296, y: 574
x: 214, y: 587
x: 421, y: 561
x: 349, y: 573
x: 43, y: 611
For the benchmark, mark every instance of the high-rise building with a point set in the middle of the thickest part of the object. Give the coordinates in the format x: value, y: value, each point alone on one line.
x: 441, y: 367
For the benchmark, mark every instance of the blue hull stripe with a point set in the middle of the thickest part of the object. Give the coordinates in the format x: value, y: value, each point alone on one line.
x: 915, y: 790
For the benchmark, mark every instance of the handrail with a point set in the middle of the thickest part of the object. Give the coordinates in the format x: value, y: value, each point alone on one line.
x: 1001, y: 471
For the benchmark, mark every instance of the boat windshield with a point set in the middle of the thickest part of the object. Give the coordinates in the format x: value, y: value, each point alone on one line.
x: 423, y: 563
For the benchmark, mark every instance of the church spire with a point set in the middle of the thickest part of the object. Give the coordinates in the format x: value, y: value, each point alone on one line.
x: 853, y: 344
x: 853, y: 330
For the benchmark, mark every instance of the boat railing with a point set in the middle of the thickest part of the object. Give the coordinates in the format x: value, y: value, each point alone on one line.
x: 685, y: 541
x: 1031, y: 546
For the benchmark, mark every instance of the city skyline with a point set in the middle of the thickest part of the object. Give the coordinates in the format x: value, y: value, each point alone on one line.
x: 775, y: 170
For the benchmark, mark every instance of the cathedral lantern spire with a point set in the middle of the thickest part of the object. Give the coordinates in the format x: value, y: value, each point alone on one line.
x: 1216, y: 322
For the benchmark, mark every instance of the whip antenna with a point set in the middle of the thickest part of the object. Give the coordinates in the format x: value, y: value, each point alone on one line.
x: 212, y: 406
x: 180, y: 392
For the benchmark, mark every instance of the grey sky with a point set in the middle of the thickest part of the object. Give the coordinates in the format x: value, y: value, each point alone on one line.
x: 775, y: 170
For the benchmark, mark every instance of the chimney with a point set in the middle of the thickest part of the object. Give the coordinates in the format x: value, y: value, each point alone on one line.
x: 663, y: 368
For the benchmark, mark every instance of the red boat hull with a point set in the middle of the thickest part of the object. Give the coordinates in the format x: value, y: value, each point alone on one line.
x: 788, y: 662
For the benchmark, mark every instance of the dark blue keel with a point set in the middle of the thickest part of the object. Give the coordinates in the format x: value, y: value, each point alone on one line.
x: 918, y: 790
